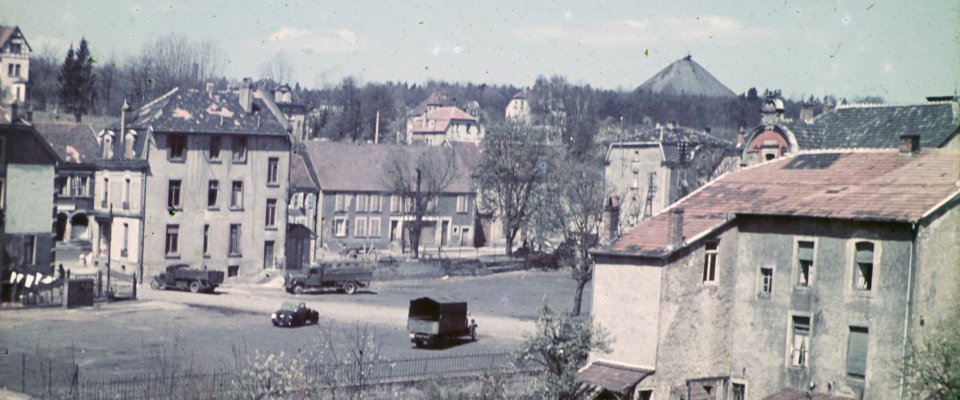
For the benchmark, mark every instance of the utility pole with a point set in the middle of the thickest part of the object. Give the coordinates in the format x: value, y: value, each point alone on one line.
x: 376, y: 130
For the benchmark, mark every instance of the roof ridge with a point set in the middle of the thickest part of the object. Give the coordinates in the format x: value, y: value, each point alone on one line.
x: 881, y: 105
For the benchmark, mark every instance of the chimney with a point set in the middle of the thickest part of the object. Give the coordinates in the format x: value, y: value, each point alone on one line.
x: 741, y: 137
x: 909, y: 144
x: 829, y: 105
x: 675, y: 227
x: 611, y: 220
x: 209, y: 87
x: 246, y: 95
x: 671, y: 124
x: 806, y: 113
x: 707, y: 130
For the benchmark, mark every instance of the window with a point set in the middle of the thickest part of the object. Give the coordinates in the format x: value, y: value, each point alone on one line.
x: 374, y: 230
x: 863, y: 267
x: 361, y: 228
x: 239, y: 149
x: 340, y: 227
x: 800, y: 341
x: 362, y: 200
x: 433, y: 203
x: 636, y: 180
x: 234, y: 249
x: 857, y: 344
x: 233, y: 270
x: 3, y: 148
x: 374, y: 203
x: 645, y: 395
x: 236, y: 195
x: 340, y: 203
x: 766, y: 281
x: 29, y: 249
x: 15, y: 48
x: 206, y: 240
x: 710, y: 262
x: 738, y: 391
x: 2, y: 202
x: 271, y: 220
x: 16, y: 72
x: 106, y: 192
x: 636, y: 156
x: 213, y: 190
x: 126, y: 193
x: 214, y: 154
x: 461, y: 204
x: 805, y: 250
x: 268, y: 254
x: 272, y: 168
x: 173, y: 241
x: 126, y: 236
x: 178, y: 147
x: 394, y: 203
x: 173, y: 194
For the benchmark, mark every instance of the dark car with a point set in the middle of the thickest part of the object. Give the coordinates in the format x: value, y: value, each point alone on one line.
x: 294, y: 314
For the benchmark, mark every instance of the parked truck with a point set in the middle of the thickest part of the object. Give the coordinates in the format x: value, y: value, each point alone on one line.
x: 431, y: 322
x: 182, y: 277
x: 343, y: 276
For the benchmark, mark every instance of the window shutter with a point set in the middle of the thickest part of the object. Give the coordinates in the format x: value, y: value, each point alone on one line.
x: 865, y: 253
x: 805, y: 251
x: 857, y: 352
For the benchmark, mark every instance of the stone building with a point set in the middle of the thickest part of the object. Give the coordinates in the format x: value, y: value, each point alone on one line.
x: 357, y: 206
x: 518, y: 109
x: 215, y: 192
x: 867, y: 126
x: 14, y: 68
x: 433, y: 123
x: 652, y: 169
x: 814, y: 269
x: 27, y: 169
x: 77, y: 149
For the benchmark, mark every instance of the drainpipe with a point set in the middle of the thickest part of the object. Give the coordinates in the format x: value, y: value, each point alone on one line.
x: 908, y: 309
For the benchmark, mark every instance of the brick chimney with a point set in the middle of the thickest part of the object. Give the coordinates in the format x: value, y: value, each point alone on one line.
x: 675, y: 227
x: 611, y: 220
x: 246, y: 95
x: 909, y: 144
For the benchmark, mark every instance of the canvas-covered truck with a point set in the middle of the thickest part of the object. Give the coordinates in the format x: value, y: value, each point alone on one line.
x: 182, y: 277
x: 432, y: 322
x: 343, y: 276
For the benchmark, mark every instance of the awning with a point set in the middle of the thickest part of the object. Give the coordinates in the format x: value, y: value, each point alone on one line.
x: 612, y: 376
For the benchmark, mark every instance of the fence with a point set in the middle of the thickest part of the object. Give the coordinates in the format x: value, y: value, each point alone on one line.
x: 218, y: 384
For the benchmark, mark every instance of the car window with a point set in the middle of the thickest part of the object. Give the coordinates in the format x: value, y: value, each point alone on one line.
x: 289, y: 306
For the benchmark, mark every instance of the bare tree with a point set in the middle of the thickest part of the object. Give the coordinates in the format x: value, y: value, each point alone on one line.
x: 513, y: 167
x: 420, y: 183
x: 172, y: 61
x: 278, y: 69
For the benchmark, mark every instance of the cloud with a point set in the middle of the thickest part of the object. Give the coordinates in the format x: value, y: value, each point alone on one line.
x: 305, y: 40
x: 627, y: 32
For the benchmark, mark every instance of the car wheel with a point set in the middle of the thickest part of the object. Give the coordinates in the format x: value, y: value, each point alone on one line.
x: 194, y: 286
x: 349, y: 288
x: 275, y: 323
x: 155, y: 285
x: 316, y: 318
x: 418, y: 343
x: 298, y: 289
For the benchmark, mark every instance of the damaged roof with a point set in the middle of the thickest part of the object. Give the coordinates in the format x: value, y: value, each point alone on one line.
x: 875, y: 185
x: 217, y: 112
x: 349, y: 167
x: 879, y: 125
x: 73, y: 143
x: 670, y: 139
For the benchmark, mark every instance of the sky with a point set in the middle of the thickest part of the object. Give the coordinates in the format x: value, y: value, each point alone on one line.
x: 902, y: 50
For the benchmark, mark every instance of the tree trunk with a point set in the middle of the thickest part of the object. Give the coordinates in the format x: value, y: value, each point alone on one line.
x: 77, y: 117
x: 578, y: 297
x: 509, y: 243
x: 415, y: 241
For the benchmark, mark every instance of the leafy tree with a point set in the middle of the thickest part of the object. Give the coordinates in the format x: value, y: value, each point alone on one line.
x: 420, y: 183
x: 562, y: 345
x: 43, y: 87
x: 932, y: 367
x: 513, y: 167
x: 76, y: 81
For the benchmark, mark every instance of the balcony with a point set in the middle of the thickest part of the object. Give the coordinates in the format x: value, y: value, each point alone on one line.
x: 126, y: 205
x: 74, y: 203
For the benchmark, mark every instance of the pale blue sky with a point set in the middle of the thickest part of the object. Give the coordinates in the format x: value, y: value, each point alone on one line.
x: 903, y: 50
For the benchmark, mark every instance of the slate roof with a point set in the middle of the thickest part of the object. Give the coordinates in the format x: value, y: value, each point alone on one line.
x: 348, y: 167
x: 219, y: 112
x: 434, y: 99
x: 73, y: 143
x: 301, y: 178
x: 797, y: 394
x: 442, y: 117
x: 877, y: 185
x: 611, y: 376
x: 879, y: 126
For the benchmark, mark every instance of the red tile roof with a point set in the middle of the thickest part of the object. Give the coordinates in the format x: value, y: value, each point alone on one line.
x: 74, y: 143
x: 348, y: 167
x: 442, y: 117
x: 796, y: 394
x: 878, y: 185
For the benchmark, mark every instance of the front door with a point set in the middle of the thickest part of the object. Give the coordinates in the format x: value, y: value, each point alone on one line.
x: 268, y: 254
x: 444, y: 228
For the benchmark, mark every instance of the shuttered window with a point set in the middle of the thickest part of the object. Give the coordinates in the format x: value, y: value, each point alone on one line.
x: 804, y: 262
x: 800, y: 342
x: 857, y: 352
x: 863, y: 267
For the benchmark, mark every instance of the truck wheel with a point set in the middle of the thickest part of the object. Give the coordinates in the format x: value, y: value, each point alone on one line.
x: 155, y: 285
x: 298, y: 289
x: 349, y: 288
x: 194, y: 286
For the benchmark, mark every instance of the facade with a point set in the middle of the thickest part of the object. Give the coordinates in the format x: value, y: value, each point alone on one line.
x: 518, y: 109
x: 433, y: 123
x: 655, y: 168
x: 814, y: 269
x: 77, y: 149
x: 867, y: 126
x: 14, y: 66
x: 294, y: 110
x: 27, y: 169
x: 301, y: 214
x: 358, y: 208
x: 218, y: 164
